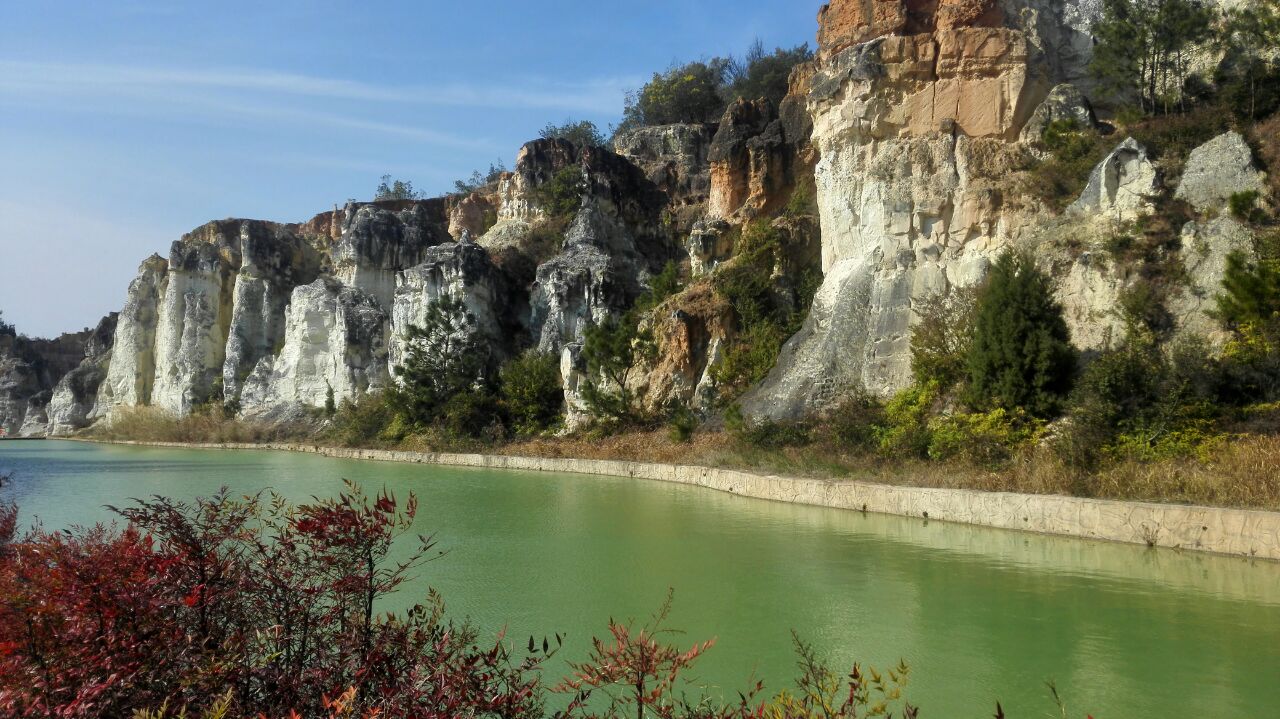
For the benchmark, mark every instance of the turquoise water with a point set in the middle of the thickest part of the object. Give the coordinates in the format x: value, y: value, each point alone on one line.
x: 980, y: 615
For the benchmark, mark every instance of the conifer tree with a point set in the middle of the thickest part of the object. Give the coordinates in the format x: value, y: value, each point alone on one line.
x: 1021, y: 355
x: 446, y: 357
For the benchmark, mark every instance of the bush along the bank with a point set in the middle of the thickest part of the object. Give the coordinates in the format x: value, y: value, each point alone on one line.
x: 250, y: 607
x: 997, y: 386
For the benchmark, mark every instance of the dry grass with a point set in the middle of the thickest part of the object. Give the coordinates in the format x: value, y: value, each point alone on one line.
x: 150, y: 424
x: 1244, y: 473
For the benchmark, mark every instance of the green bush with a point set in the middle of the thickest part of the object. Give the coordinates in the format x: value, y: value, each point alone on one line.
x: 1073, y: 153
x: 1021, y: 355
x: 1197, y: 439
x: 531, y: 392
x: 766, y: 307
x: 986, y: 439
x: 855, y: 423
x: 363, y: 422
x: 683, y: 94
x: 480, y: 180
x: 802, y: 203
x: 1251, y: 295
x: 765, y: 75
x: 613, y: 350
x: 446, y: 358
x: 941, y: 339
x: 766, y: 434
x: 582, y: 133
x: 561, y: 196
x: 905, y: 432
x: 681, y: 424
x: 390, y: 189
x: 1244, y: 207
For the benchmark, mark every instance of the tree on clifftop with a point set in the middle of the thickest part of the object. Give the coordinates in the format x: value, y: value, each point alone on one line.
x: 1144, y: 49
x: 1021, y: 355
x: 390, y: 189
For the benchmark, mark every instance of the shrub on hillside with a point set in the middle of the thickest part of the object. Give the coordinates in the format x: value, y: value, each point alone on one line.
x: 390, y: 189
x: 942, y: 337
x: 687, y: 93
x: 761, y: 74
x: 987, y: 439
x: 1073, y: 151
x: 583, y: 133
x: 1021, y: 357
x: 905, y: 432
x: 767, y: 309
x: 561, y: 196
x: 531, y: 392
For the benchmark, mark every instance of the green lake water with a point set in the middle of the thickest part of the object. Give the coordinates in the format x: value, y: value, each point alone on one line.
x: 980, y: 615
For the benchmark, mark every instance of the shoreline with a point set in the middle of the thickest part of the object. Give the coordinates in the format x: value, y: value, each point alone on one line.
x: 1252, y: 534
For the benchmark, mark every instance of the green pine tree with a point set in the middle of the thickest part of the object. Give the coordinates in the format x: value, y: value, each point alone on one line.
x: 446, y: 357
x: 1021, y: 355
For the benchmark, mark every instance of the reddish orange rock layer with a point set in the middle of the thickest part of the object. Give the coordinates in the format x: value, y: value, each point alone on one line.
x: 843, y: 23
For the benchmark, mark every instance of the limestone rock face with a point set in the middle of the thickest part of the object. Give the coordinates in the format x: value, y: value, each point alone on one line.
x: 334, y: 337
x: 473, y: 215
x: 18, y: 384
x: 1219, y: 169
x: 458, y: 270
x: 708, y: 245
x: 195, y: 316
x: 673, y: 157
x: 274, y: 261
x: 690, y: 332
x: 574, y: 290
x: 844, y: 23
x: 75, y: 395
x: 914, y: 138
x: 1122, y: 186
x: 379, y: 239
x: 132, y: 370
x: 1205, y: 248
x: 29, y: 371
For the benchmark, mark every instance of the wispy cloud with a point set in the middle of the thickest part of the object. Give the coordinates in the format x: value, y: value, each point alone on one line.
x: 596, y: 96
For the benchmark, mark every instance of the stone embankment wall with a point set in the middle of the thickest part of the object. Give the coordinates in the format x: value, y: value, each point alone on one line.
x: 1238, y: 532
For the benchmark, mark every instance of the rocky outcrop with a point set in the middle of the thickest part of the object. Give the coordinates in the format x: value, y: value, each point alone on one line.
x: 131, y: 373
x: 673, y: 157
x: 844, y: 23
x: 1122, y: 187
x: 274, y: 261
x: 335, y: 340
x: 1219, y: 169
x: 914, y: 137
x: 75, y: 396
x: 1206, y: 245
x: 379, y: 239
x: 31, y: 369
x: 1065, y: 103
x: 195, y: 316
x: 909, y: 132
x: 461, y: 271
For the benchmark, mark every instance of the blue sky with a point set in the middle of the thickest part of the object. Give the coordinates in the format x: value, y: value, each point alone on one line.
x: 124, y: 123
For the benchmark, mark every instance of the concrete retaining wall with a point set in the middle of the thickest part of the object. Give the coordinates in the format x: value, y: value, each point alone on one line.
x: 1223, y: 531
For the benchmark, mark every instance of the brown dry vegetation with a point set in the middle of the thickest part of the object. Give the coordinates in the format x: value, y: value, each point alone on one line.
x: 1244, y: 473
x: 149, y: 424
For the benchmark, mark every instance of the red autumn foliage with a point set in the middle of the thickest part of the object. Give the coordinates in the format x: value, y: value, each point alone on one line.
x: 271, y: 603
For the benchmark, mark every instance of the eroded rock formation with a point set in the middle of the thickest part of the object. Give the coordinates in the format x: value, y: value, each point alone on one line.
x: 908, y: 131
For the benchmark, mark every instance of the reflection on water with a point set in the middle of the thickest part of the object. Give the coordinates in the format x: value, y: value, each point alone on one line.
x: 979, y: 614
